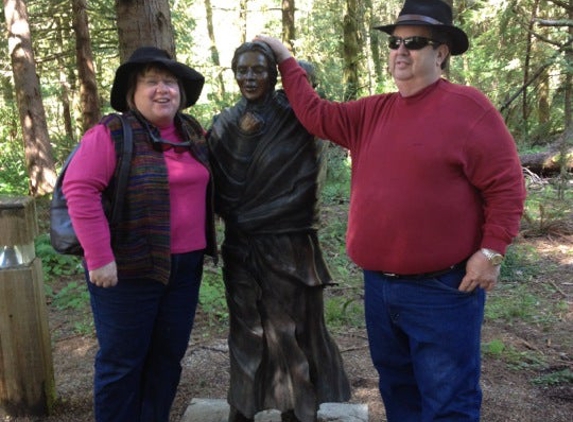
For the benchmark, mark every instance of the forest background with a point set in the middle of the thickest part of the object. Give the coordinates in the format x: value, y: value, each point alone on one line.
x: 520, y: 56
x: 56, y: 75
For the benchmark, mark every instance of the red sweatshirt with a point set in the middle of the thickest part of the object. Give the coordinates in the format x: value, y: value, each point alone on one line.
x: 435, y: 176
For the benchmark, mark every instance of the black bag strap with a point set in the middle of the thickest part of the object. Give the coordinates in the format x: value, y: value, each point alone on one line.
x: 124, y: 163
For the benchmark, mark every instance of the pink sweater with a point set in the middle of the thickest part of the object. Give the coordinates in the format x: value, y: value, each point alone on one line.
x: 90, y: 172
x: 435, y: 176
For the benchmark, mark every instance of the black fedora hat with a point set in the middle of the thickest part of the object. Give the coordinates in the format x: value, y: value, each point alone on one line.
x: 191, y: 80
x: 432, y: 13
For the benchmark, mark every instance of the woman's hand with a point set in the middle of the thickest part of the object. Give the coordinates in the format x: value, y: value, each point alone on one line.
x: 105, y: 276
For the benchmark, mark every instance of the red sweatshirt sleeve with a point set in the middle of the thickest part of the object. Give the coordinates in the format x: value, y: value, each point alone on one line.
x: 493, y: 166
x: 87, y: 176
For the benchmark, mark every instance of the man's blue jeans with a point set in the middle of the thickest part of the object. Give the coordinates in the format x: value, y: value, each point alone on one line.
x: 424, y: 337
x: 143, y: 329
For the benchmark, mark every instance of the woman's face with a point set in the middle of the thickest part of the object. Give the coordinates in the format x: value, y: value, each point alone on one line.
x: 252, y: 76
x: 157, y: 96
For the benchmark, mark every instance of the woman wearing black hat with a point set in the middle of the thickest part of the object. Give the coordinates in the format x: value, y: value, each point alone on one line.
x: 437, y: 196
x: 144, y: 273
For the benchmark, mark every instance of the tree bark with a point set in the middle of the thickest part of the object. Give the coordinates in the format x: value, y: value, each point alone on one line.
x: 288, y: 34
x: 243, y: 14
x: 548, y: 163
x: 214, y: 50
x: 144, y: 23
x: 38, y: 150
x: 352, y: 49
x: 89, y: 99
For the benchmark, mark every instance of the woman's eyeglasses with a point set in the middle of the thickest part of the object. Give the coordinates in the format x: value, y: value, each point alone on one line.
x: 160, y: 144
x: 164, y: 144
x: 411, y: 43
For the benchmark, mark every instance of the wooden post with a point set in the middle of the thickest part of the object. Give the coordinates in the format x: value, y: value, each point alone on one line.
x: 27, y: 385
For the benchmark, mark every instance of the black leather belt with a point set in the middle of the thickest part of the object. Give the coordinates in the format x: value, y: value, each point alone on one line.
x: 426, y: 275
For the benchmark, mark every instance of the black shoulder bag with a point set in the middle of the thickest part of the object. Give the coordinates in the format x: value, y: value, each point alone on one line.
x: 62, y: 235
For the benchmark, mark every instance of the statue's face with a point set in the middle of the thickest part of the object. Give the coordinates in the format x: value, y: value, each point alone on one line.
x: 252, y: 76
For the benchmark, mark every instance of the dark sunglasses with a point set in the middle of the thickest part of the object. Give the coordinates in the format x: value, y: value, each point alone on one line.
x: 411, y: 43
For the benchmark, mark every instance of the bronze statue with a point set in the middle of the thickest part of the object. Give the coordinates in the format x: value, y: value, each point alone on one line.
x: 265, y: 168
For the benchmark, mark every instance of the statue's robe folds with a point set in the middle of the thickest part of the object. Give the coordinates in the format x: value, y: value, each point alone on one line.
x: 265, y: 167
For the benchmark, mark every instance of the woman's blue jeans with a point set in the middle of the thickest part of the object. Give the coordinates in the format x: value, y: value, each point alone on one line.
x: 143, y: 329
x: 424, y: 337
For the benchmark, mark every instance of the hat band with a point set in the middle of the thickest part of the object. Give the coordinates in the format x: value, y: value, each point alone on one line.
x: 422, y: 18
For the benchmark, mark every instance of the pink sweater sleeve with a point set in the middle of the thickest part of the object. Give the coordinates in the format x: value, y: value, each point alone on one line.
x: 87, y: 176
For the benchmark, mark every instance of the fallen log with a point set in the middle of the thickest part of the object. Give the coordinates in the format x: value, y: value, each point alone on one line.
x: 546, y: 163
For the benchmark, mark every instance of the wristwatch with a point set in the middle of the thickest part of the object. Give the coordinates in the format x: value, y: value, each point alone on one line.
x: 494, y: 257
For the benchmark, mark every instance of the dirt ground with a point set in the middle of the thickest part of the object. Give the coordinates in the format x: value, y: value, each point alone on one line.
x: 509, y: 391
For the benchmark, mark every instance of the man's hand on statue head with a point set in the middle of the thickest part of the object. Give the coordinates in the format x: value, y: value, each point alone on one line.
x: 281, y: 52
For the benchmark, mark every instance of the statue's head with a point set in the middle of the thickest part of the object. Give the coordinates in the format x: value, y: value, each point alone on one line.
x: 255, y: 68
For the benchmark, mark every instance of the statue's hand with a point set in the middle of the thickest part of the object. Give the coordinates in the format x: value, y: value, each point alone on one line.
x: 250, y: 122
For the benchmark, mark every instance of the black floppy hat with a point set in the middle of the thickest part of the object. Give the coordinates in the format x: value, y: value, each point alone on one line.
x: 191, y: 80
x: 431, y: 13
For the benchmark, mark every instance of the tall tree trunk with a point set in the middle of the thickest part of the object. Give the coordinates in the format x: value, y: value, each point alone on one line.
x: 543, y: 104
x: 214, y: 51
x: 374, y: 36
x: 352, y: 49
x: 64, y: 77
x: 243, y: 15
x: 288, y: 35
x: 38, y: 150
x: 89, y: 99
x: 144, y: 23
x: 567, y: 139
x: 527, y: 65
x: 569, y: 75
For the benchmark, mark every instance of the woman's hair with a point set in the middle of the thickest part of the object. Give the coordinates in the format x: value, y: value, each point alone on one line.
x: 265, y: 50
x: 141, y: 71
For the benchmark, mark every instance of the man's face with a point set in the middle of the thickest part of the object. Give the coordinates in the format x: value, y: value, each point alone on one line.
x: 252, y: 76
x: 415, y: 69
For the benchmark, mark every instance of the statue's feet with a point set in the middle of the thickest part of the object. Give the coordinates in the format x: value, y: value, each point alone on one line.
x: 289, y: 417
x: 236, y: 416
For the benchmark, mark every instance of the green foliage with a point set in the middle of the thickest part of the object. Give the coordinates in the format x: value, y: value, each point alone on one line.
x: 13, y: 173
x: 512, y: 302
x: 520, y: 263
x: 74, y: 295
x: 337, y: 186
x: 493, y: 348
x: 548, y: 209
x: 516, y: 303
x: 212, y: 295
x: 55, y: 265
x: 343, y: 307
x: 515, y: 359
x: 563, y: 376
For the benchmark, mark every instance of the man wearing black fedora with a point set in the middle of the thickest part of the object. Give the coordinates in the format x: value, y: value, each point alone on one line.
x: 437, y: 194
x: 144, y: 273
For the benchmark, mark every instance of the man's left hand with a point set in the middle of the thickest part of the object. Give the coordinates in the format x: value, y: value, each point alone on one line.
x: 479, y: 273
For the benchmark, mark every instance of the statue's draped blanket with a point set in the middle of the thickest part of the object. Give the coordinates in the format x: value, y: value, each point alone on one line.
x: 282, y: 356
